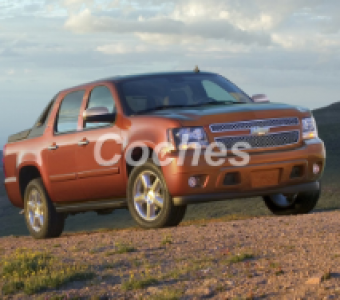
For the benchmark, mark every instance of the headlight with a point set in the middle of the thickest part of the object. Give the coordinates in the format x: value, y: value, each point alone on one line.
x: 189, y: 138
x: 309, y: 129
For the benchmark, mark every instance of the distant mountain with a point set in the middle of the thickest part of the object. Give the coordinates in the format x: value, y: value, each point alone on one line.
x: 1, y: 158
x: 329, y: 114
x: 328, y: 121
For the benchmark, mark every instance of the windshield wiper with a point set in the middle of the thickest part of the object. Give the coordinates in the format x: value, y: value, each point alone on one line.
x: 163, y: 107
x: 219, y: 103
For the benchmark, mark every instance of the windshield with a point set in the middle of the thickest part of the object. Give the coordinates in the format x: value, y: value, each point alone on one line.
x: 151, y: 93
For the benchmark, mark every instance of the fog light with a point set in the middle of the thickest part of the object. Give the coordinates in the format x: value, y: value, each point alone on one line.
x: 232, y: 178
x: 316, y: 169
x: 297, y: 172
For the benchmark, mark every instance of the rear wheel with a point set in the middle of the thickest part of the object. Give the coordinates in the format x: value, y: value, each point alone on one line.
x: 296, y: 204
x: 42, y: 220
x: 149, y: 201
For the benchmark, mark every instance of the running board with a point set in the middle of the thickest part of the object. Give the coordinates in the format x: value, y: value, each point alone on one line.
x: 79, y: 207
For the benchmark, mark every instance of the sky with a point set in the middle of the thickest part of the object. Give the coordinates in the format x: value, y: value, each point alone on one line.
x: 287, y: 49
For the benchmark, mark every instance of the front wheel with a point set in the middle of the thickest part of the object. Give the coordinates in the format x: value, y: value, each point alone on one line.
x: 42, y: 220
x: 149, y: 201
x: 296, y: 204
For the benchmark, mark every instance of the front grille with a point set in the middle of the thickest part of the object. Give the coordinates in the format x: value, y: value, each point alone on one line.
x: 264, y: 141
x: 254, y: 123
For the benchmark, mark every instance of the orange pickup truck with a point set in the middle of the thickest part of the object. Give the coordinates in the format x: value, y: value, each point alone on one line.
x: 154, y: 143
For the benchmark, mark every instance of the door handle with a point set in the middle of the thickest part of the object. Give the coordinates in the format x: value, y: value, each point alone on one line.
x: 84, y: 142
x: 53, y: 147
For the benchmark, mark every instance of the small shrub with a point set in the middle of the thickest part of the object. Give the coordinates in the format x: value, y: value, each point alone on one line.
x: 76, y: 249
x: 274, y: 265
x: 95, y: 251
x: 143, y: 281
x: 112, y: 265
x: 326, y: 276
x: 167, y: 294
x: 136, y: 263
x: 167, y: 240
x: 240, y: 258
x: 64, y: 297
x: 220, y: 288
x: 109, y: 253
x: 124, y: 248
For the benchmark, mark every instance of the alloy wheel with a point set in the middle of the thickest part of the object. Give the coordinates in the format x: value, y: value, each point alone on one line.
x: 282, y: 200
x: 35, y: 210
x: 148, y: 195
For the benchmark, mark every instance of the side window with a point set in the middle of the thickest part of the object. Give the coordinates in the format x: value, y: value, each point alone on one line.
x: 67, y: 120
x: 215, y: 92
x: 44, y: 116
x: 100, y: 97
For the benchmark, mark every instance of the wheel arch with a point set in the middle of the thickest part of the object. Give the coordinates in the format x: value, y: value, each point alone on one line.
x: 136, y: 154
x: 27, y: 173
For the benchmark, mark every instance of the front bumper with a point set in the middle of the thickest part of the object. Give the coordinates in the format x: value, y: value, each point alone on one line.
x: 291, y: 189
x: 214, y: 187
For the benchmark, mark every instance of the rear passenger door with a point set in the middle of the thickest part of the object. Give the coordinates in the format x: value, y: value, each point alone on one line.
x: 99, y: 181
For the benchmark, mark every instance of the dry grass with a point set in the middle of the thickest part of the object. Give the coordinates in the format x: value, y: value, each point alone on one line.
x: 33, y: 272
x: 140, y: 281
x: 239, y: 258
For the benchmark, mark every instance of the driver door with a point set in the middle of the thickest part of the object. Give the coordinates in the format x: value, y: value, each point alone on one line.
x: 100, y: 181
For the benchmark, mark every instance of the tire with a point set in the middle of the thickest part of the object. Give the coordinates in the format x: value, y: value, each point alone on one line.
x: 42, y: 220
x: 179, y: 216
x: 303, y: 203
x: 144, y: 195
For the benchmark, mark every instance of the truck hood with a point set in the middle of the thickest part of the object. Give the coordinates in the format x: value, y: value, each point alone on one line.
x: 206, y: 115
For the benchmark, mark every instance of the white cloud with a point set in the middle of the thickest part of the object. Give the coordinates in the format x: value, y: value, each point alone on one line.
x: 85, y: 22
x: 120, y: 48
x: 246, y: 22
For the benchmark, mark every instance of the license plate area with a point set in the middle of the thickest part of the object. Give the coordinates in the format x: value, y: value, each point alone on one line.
x: 265, y: 178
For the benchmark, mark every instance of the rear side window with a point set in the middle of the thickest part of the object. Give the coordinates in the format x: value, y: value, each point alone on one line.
x: 67, y: 120
x: 44, y: 116
x: 100, y: 97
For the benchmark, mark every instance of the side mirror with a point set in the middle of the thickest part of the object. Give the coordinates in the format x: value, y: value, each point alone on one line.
x: 258, y: 98
x: 98, y: 115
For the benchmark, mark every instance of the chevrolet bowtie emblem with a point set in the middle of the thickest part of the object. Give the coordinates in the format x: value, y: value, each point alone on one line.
x: 259, y: 130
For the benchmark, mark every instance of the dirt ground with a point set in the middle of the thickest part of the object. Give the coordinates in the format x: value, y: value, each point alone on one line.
x: 295, y: 257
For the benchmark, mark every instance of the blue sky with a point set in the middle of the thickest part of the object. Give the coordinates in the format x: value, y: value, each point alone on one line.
x: 287, y: 49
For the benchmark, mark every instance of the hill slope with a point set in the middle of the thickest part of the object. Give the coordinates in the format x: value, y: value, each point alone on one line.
x: 328, y: 120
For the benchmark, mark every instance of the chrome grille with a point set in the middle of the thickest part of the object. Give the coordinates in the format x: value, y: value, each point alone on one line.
x: 264, y: 141
x: 223, y: 127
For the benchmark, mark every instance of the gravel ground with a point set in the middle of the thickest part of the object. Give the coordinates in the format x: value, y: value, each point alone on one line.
x: 295, y: 257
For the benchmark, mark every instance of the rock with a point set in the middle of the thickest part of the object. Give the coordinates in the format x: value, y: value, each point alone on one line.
x: 153, y: 290
x: 330, y: 297
x: 210, y: 282
x: 316, y: 279
x: 203, y: 291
